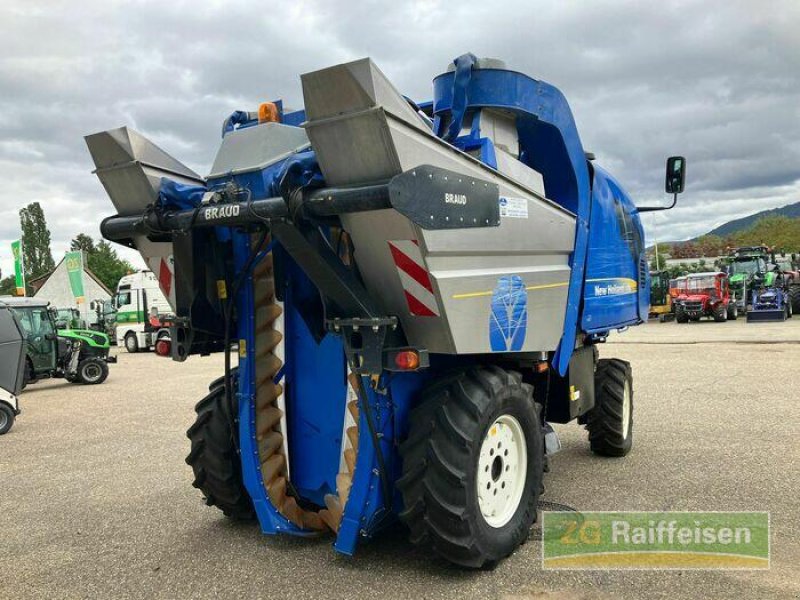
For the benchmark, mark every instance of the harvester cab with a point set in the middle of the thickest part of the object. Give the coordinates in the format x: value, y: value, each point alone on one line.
x: 412, y: 298
x: 12, y: 366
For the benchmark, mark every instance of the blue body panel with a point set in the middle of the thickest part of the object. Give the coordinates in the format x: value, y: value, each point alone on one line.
x: 617, y: 290
x: 316, y: 390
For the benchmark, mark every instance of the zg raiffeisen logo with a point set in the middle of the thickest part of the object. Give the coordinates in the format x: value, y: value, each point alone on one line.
x: 653, y: 540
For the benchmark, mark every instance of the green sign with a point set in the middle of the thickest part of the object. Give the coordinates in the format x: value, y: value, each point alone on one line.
x: 19, y: 273
x: 654, y: 540
x: 74, y: 262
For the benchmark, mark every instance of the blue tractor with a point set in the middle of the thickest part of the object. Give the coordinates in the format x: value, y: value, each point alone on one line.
x: 413, y: 293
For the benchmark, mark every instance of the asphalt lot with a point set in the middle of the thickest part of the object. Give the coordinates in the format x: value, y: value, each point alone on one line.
x: 96, y: 501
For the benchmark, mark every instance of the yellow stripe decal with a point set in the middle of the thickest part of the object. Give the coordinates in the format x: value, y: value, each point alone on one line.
x: 530, y: 288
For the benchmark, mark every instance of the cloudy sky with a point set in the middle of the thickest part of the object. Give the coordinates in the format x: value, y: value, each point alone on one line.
x: 716, y: 81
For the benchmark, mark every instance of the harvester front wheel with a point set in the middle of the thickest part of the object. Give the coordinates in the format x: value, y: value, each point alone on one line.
x: 214, y: 460
x: 610, y: 422
x: 681, y: 316
x: 472, y: 466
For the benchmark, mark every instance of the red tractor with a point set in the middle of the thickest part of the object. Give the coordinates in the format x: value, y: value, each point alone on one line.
x: 705, y: 295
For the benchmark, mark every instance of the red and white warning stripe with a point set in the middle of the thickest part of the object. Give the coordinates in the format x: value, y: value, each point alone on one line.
x: 414, y: 277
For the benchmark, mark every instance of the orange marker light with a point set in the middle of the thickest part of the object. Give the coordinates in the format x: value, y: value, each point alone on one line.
x: 407, y: 360
x: 268, y: 113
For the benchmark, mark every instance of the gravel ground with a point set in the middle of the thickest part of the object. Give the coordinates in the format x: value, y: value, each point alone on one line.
x: 96, y: 501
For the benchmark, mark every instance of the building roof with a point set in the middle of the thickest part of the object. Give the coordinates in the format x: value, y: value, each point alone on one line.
x: 38, y: 282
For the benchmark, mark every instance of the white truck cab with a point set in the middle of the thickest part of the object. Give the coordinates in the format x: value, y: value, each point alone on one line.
x: 140, y: 304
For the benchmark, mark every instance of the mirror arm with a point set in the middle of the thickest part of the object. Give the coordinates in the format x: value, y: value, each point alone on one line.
x: 654, y: 208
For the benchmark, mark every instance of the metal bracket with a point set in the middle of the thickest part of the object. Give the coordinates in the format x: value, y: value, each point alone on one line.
x: 363, y: 341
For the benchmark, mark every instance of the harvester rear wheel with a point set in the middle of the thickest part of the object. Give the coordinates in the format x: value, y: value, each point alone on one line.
x: 610, y: 422
x: 472, y: 466
x: 214, y: 460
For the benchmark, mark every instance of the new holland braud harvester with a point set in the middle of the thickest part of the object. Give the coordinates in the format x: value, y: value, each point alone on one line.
x: 415, y: 291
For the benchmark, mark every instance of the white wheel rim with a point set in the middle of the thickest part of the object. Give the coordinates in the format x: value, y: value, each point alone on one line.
x: 502, y: 470
x: 626, y: 410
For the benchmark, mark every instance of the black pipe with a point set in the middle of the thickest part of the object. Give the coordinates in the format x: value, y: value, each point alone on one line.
x: 329, y: 202
x: 318, y: 203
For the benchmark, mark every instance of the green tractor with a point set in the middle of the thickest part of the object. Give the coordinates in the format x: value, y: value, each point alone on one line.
x: 77, y: 355
x: 747, y: 269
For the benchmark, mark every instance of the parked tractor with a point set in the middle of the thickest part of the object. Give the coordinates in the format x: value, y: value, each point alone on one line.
x: 660, y: 298
x: 770, y: 299
x: 414, y: 292
x: 12, y: 367
x: 706, y: 295
x: 77, y: 355
x: 790, y: 267
x: 747, y: 268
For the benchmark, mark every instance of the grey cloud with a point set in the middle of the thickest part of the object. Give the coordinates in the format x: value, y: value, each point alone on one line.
x: 713, y: 80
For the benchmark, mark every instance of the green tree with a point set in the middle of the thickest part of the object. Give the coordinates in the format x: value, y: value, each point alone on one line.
x: 102, y: 260
x: 35, y: 242
x: 82, y: 242
x: 8, y: 286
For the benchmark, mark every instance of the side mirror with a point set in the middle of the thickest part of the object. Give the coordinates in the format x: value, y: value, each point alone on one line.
x: 676, y: 174
x: 675, y: 178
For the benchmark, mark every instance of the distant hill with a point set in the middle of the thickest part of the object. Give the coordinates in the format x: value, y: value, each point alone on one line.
x: 738, y: 225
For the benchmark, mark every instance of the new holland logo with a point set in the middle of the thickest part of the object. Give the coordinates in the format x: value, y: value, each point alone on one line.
x: 221, y: 212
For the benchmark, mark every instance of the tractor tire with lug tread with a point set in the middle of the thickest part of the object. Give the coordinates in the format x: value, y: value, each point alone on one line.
x: 794, y: 298
x: 7, y: 417
x: 720, y: 313
x: 733, y: 311
x: 450, y: 453
x: 681, y: 316
x: 610, y: 422
x: 91, y: 371
x: 214, y: 459
x: 131, y: 343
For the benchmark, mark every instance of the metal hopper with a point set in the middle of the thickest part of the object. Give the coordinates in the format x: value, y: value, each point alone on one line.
x: 130, y: 167
x: 458, y: 280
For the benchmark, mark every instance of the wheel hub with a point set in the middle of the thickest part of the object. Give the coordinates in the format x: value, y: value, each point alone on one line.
x: 502, y: 470
x: 91, y: 372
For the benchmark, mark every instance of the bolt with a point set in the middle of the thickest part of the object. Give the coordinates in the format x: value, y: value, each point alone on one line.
x: 376, y: 472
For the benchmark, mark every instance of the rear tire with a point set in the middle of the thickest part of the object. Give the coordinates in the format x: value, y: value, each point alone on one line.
x: 91, y: 371
x: 473, y: 428
x: 131, y: 343
x: 214, y: 459
x: 794, y: 298
x: 720, y: 313
x: 7, y: 417
x: 733, y: 311
x: 610, y: 422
